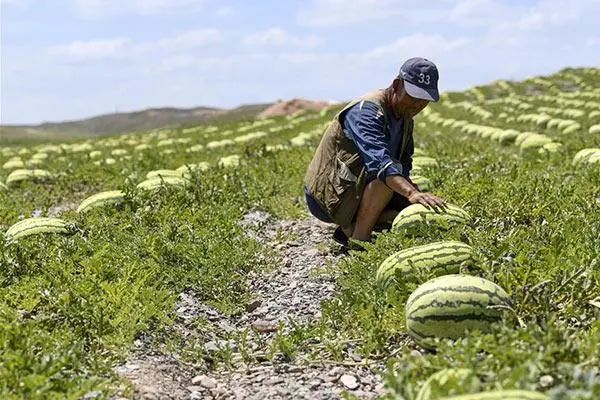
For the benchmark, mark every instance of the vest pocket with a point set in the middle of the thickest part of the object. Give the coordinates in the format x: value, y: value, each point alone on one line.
x: 344, y: 181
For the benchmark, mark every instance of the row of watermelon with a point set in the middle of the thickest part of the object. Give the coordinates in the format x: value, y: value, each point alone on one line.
x: 451, y: 304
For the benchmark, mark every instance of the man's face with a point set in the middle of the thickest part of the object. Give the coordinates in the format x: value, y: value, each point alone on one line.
x: 404, y: 104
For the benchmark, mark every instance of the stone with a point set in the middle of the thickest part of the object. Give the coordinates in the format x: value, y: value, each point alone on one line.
x: 253, y: 305
x: 204, y: 381
x: 349, y: 381
x: 263, y: 326
x: 312, y: 252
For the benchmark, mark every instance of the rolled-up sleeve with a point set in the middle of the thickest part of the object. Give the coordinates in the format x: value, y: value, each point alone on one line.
x: 364, y: 124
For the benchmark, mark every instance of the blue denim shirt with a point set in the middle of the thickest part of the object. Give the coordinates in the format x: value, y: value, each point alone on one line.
x: 379, y: 147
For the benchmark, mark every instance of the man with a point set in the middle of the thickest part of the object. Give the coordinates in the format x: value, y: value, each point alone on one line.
x: 360, y: 173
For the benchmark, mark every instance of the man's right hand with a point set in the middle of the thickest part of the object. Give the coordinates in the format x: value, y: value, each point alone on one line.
x: 426, y: 199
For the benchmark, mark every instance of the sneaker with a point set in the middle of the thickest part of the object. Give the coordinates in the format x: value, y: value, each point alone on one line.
x: 340, y: 237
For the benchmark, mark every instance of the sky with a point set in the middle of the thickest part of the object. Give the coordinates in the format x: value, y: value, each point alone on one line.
x: 71, y: 59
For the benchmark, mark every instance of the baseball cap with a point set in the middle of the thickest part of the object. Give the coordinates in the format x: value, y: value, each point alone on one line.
x: 420, y: 78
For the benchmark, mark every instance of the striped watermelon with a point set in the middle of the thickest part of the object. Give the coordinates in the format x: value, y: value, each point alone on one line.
x: 155, y: 183
x: 423, y: 183
x: 188, y: 169
x: 449, y: 380
x: 100, y: 200
x: 450, y: 305
x: 14, y: 163
x: 34, y: 226
x: 229, y: 161
x: 163, y: 173
x: 417, y: 214
x: 501, y: 395
x: 424, y: 161
x: 582, y: 156
x: 20, y: 175
x: 438, y: 258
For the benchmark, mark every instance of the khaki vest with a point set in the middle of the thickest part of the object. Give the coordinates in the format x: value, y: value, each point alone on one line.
x: 336, y: 176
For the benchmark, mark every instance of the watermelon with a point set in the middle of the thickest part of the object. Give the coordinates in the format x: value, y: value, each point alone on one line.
x: 155, y: 183
x: 418, y: 215
x: 164, y: 173
x: 188, y: 169
x: 423, y: 183
x: 449, y: 381
x: 501, y: 395
x: 451, y: 305
x: 15, y: 163
x: 101, y: 199
x: 20, y: 175
x: 35, y: 226
x: 582, y: 156
x: 229, y: 161
x: 438, y: 258
x: 423, y: 161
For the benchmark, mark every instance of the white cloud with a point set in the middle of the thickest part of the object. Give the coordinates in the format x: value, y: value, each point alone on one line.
x: 123, y: 48
x: 191, y: 39
x: 93, y: 49
x: 277, y: 37
x: 417, y: 45
x: 102, y: 8
x: 324, y: 13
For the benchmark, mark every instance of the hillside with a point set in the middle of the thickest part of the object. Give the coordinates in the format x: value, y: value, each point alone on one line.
x: 117, y: 123
x: 182, y: 263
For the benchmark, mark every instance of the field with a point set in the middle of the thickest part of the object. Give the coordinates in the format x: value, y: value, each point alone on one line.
x: 77, y: 307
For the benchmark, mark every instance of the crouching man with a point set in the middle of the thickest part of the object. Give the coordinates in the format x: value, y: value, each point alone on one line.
x: 360, y: 174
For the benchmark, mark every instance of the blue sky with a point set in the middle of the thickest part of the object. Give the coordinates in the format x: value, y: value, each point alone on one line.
x: 69, y: 59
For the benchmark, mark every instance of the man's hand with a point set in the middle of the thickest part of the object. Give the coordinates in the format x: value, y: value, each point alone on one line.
x: 401, y: 185
x: 426, y: 199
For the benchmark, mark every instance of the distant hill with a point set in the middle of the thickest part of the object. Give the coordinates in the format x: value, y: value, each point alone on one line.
x: 111, y: 124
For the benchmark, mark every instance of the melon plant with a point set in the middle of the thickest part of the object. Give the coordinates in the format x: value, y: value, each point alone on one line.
x: 155, y: 183
x: 21, y: 175
x: 438, y: 258
x: 449, y: 381
x: 35, y: 226
x: 418, y: 215
x: 451, y: 305
x: 501, y: 395
x: 101, y: 199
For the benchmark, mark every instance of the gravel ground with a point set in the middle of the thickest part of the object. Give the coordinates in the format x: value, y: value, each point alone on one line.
x: 291, y: 292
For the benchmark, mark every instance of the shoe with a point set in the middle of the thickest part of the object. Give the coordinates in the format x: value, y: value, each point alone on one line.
x: 340, y: 237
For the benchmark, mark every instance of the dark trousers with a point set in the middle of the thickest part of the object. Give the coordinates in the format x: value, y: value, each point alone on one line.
x: 397, y: 202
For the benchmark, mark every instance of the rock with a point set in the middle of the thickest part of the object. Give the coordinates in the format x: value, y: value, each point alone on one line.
x: 263, y: 326
x: 349, y: 381
x: 546, y: 381
x: 92, y: 395
x: 253, y: 305
x: 205, y: 381
x: 312, y: 252
x: 211, y: 347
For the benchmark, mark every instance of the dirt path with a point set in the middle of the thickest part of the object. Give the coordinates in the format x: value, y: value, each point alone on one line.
x: 293, y: 291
